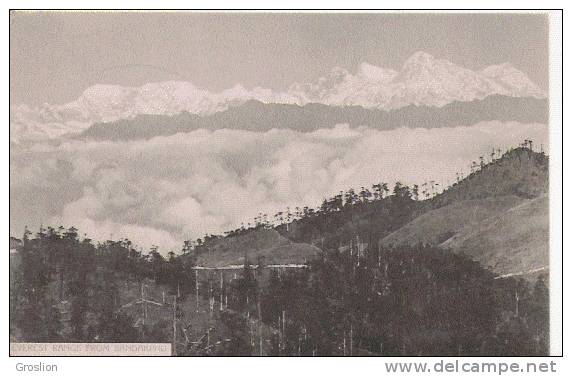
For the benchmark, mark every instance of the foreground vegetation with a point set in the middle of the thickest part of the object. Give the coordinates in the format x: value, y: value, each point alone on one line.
x: 406, y: 301
x: 357, y: 296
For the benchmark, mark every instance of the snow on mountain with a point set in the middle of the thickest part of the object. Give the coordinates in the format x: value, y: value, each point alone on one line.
x: 106, y: 103
x: 512, y: 80
x: 339, y: 88
x: 422, y: 81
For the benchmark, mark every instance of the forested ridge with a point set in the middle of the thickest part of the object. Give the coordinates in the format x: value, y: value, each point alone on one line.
x: 358, y: 296
x: 256, y: 116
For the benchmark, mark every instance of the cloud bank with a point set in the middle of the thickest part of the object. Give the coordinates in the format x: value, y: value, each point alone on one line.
x: 167, y: 189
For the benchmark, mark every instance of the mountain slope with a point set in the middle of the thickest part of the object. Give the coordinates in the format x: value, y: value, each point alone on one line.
x: 498, y: 216
x: 520, y: 172
x: 515, y: 241
x: 265, y: 243
x: 438, y: 225
x: 508, y: 234
x: 258, y: 116
x: 503, y: 204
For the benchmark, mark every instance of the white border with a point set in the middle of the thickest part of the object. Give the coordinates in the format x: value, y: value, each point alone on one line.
x: 555, y: 90
x: 288, y: 366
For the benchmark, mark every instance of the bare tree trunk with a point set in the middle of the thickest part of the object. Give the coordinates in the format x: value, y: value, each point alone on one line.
x: 221, y: 286
x: 197, y: 289
x: 351, y: 340
x: 175, y: 325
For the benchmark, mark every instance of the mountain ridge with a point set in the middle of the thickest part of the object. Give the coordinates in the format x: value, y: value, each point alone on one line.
x: 423, y: 81
x: 258, y: 116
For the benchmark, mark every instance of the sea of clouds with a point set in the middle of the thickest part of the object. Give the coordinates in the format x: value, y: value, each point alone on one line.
x: 168, y: 189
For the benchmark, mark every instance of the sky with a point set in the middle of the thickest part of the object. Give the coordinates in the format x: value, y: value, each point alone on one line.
x: 55, y: 56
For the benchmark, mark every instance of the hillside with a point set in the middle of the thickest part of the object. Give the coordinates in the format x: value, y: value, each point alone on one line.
x: 258, y: 116
x: 520, y: 172
x: 508, y: 234
x: 266, y: 243
x: 516, y: 241
x: 491, y: 193
x: 498, y: 216
x: 438, y: 225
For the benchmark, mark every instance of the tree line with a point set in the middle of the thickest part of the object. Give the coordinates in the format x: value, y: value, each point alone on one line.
x: 66, y: 289
x: 387, y: 301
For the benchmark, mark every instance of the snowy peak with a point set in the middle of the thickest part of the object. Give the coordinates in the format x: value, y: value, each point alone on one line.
x: 420, y: 59
x: 423, y: 80
x: 427, y: 81
x: 423, y: 66
x: 513, y: 79
x: 375, y: 73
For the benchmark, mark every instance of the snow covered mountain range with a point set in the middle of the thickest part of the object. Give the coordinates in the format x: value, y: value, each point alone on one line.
x: 422, y: 81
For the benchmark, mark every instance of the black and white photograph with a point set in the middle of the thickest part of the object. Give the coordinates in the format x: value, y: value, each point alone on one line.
x: 283, y: 184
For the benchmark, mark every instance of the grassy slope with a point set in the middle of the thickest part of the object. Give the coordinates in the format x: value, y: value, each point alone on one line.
x: 506, y: 233
x: 275, y: 249
x: 498, y: 216
x: 514, y: 241
x: 437, y: 225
